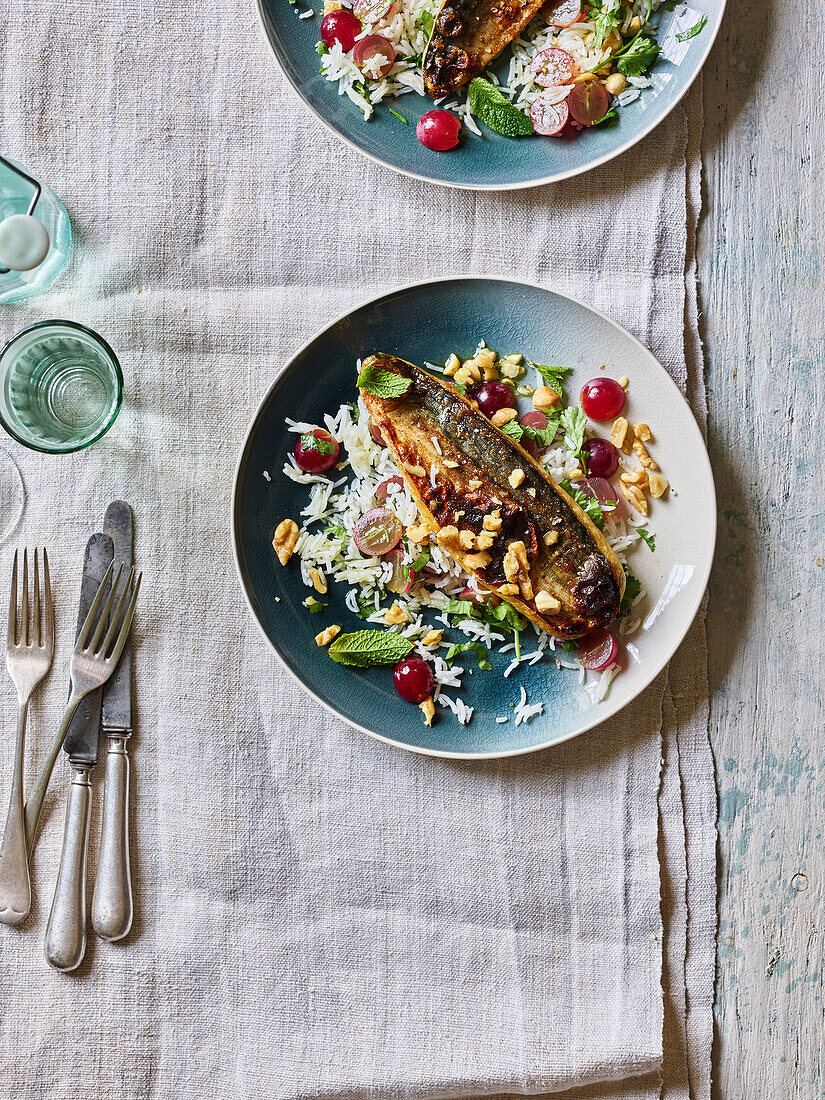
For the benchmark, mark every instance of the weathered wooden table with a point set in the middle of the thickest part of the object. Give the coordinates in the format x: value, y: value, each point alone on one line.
x: 761, y: 282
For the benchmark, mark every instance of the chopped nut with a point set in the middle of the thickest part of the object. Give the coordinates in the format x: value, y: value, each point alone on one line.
x: 531, y: 492
x: 475, y: 483
x: 433, y: 637
x: 643, y: 456
x: 319, y: 581
x: 503, y: 416
x: 516, y: 477
x: 634, y: 495
x: 658, y: 485
x: 492, y: 522
x: 331, y: 5
x: 427, y: 708
x: 633, y: 27
x: 419, y: 534
x: 616, y: 84
x: 460, y: 513
x: 485, y: 540
x: 326, y: 636
x: 284, y: 539
x: 551, y: 538
x: 517, y: 568
x: 508, y: 589
x: 641, y: 431
x: 452, y: 365
x: 545, y: 398
x: 416, y: 471
x: 447, y: 534
x: 545, y: 602
x: 450, y: 464
x: 576, y: 474
x: 466, y: 540
x: 618, y: 434
x: 477, y: 561
x: 612, y: 41
x: 624, y: 381
x: 635, y: 477
x: 396, y: 615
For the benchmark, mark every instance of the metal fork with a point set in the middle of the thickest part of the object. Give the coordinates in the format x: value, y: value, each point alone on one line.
x: 29, y: 654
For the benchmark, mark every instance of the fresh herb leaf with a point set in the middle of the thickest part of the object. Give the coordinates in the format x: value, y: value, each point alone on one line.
x: 573, y: 423
x: 365, y: 609
x: 495, y: 110
x: 406, y: 121
x: 321, y: 49
x: 611, y: 117
x: 469, y: 647
x: 697, y: 28
x: 588, y: 504
x: 604, y: 20
x: 542, y: 437
x: 459, y: 387
x: 632, y: 588
x: 366, y: 648
x: 648, y: 538
x: 426, y: 21
x: 336, y: 530
x: 570, y: 647
x: 313, y: 606
x: 638, y: 58
x: 464, y: 608
x: 552, y: 376
x: 362, y: 88
x: 382, y: 383
x: 311, y: 442
x: 514, y: 430
x: 415, y: 567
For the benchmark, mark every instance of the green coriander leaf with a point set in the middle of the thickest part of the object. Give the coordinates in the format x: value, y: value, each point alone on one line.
x: 697, y: 28
x: 496, y: 111
x: 469, y: 647
x: 632, y: 588
x: 611, y: 117
x: 459, y: 387
x: 426, y: 21
x: 416, y: 566
x: 311, y: 442
x: 321, y: 49
x: 552, y: 376
x: 382, y: 383
x: 588, y: 504
x: 362, y: 88
x: 603, y: 23
x: 313, y: 606
x: 639, y: 57
x: 573, y: 423
x: 366, y: 648
x: 648, y: 538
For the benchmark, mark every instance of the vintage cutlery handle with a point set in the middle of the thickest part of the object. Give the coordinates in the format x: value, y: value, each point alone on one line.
x: 15, y: 885
x: 34, y: 803
x: 112, y: 900
x: 66, y: 931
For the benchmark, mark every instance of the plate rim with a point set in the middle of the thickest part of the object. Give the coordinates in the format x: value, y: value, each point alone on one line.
x: 521, y: 185
x: 234, y: 501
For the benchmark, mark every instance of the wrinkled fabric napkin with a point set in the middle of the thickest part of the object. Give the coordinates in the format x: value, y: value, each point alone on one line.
x: 318, y: 914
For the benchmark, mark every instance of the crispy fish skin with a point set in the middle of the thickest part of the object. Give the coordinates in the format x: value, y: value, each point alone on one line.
x: 466, y: 37
x: 435, y: 435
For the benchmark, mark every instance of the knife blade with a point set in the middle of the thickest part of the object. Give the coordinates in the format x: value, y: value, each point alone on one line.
x: 117, y: 694
x: 82, y: 738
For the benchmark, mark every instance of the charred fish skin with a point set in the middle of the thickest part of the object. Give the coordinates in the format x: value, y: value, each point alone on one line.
x: 471, y: 480
x: 467, y: 36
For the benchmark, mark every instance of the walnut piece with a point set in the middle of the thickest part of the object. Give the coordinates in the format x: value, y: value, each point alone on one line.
x: 619, y: 434
x: 508, y: 589
x: 326, y: 636
x: 466, y: 539
x: 516, y: 477
x: 657, y: 484
x: 419, y: 534
x: 433, y: 637
x: 319, y: 581
x: 643, y: 456
x: 642, y: 432
x: 492, y: 522
x: 503, y: 416
x: 550, y: 538
x: 485, y: 540
x: 396, y: 615
x: 416, y: 471
x: 634, y: 495
x: 545, y: 603
x: 284, y: 539
x: 427, y: 708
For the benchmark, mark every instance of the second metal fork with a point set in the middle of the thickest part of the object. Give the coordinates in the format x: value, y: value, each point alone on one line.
x: 29, y: 654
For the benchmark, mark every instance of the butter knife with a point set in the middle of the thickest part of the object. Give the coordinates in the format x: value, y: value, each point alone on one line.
x: 66, y: 930
x: 112, y: 899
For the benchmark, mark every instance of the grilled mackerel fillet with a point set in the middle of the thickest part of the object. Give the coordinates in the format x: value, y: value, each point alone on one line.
x: 466, y: 37
x: 538, y: 549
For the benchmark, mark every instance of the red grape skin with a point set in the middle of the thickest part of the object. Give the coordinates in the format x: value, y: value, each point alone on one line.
x: 602, y: 458
x: 313, y: 461
x: 493, y: 396
x: 377, y: 532
x: 438, y: 130
x: 342, y: 27
x: 588, y: 102
x: 602, y: 398
x: 374, y: 45
x: 383, y: 490
x: 598, y: 650
x: 413, y: 679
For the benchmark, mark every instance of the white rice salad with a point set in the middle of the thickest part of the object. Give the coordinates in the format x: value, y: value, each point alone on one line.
x: 609, y: 47
x: 438, y: 590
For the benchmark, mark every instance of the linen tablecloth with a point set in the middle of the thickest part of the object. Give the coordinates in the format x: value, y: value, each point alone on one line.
x: 318, y: 914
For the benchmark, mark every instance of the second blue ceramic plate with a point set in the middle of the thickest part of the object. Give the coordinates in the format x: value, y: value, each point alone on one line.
x: 491, y: 162
x: 424, y: 323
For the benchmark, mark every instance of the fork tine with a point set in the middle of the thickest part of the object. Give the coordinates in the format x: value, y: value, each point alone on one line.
x: 126, y: 625
x: 104, y: 614
x: 48, y: 615
x: 37, y: 633
x: 12, y: 635
x: 24, y: 614
x: 85, y: 630
x: 117, y: 614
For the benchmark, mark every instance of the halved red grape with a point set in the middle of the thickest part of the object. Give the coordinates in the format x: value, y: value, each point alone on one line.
x: 493, y: 396
x: 554, y: 66
x: 562, y: 13
x: 602, y: 457
x: 316, y: 452
x: 340, y: 27
x: 488, y: 598
x: 401, y: 580
x: 548, y: 118
x: 598, y: 650
x: 388, y: 488
x: 602, y: 398
x: 438, y: 130
x: 377, y: 532
x: 535, y: 419
x: 588, y: 102
x: 375, y: 432
x: 374, y: 56
x: 370, y: 11
x: 413, y: 679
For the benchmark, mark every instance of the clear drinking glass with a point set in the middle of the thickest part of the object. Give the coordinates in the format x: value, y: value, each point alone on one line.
x: 62, y: 387
x: 21, y: 194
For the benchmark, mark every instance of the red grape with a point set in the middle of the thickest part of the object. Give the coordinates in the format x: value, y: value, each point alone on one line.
x: 610, y: 499
x: 602, y: 458
x: 342, y: 27
x: 316, y: 452
x: 399, y: 582
x: 413, y: 679
x: 535, y: 420
x: 387, y: 488
x: 370, y: 11
x: 562, y: 13
x: 548, y: 118
x: 377, y: 532
x: 493, y: 396
x: 438, y: 130
x: 588, y: 102
x: 375, y: 432
x: 598, y: 650
x: 602, y: 398
x: 486, y: 598
x: 554, y: 66
x: 378, y: 50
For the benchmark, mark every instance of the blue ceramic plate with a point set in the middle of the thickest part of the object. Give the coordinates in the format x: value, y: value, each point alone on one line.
x: 426, y: 322
x: 491, y: 162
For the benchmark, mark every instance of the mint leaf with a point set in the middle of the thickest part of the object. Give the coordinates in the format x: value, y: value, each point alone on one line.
x: 469, y: 647
x: 648, y: 538
x: 311, y: 442
x: 573, y: 423
x: 382, y: 383
x: 697, y: 28
x: 632, y: 588
x: 495, y: 110
x: 542, y: 437
x: 513, y: 429
x: 426, y: 21
x: 366, y: 648
x: 552, y: 375
x: 639, y: 57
